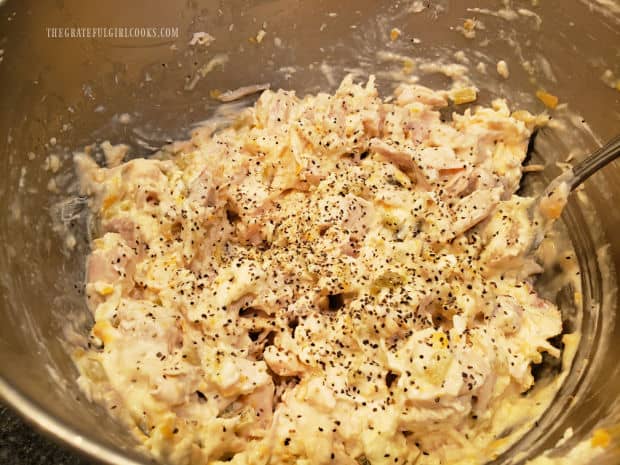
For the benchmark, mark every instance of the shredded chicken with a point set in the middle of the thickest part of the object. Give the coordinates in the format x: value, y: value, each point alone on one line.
x: 232, y: 95
x: 332, y: 280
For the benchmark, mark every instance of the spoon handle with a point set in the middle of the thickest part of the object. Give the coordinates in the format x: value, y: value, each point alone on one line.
x: 600, y: 158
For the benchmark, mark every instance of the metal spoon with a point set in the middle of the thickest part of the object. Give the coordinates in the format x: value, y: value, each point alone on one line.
x: 558, y: 190
x: 597, y: 160
x: 570, y: 179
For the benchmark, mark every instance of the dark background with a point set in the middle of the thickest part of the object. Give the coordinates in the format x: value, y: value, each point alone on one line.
x: 21, y: 445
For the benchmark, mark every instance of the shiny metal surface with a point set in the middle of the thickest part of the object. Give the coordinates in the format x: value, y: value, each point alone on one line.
x: 58, y: 95
x: 596, y: 161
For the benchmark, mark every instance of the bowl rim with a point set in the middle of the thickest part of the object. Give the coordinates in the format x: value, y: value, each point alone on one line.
x: 57, y: 430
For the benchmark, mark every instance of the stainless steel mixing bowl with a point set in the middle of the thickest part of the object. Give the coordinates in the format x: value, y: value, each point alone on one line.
x: 59, y: 94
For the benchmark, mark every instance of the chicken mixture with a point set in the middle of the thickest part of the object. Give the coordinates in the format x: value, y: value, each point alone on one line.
x: 334, y: 279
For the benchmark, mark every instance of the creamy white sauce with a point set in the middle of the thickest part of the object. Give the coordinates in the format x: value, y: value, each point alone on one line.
x: 369, y: 255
